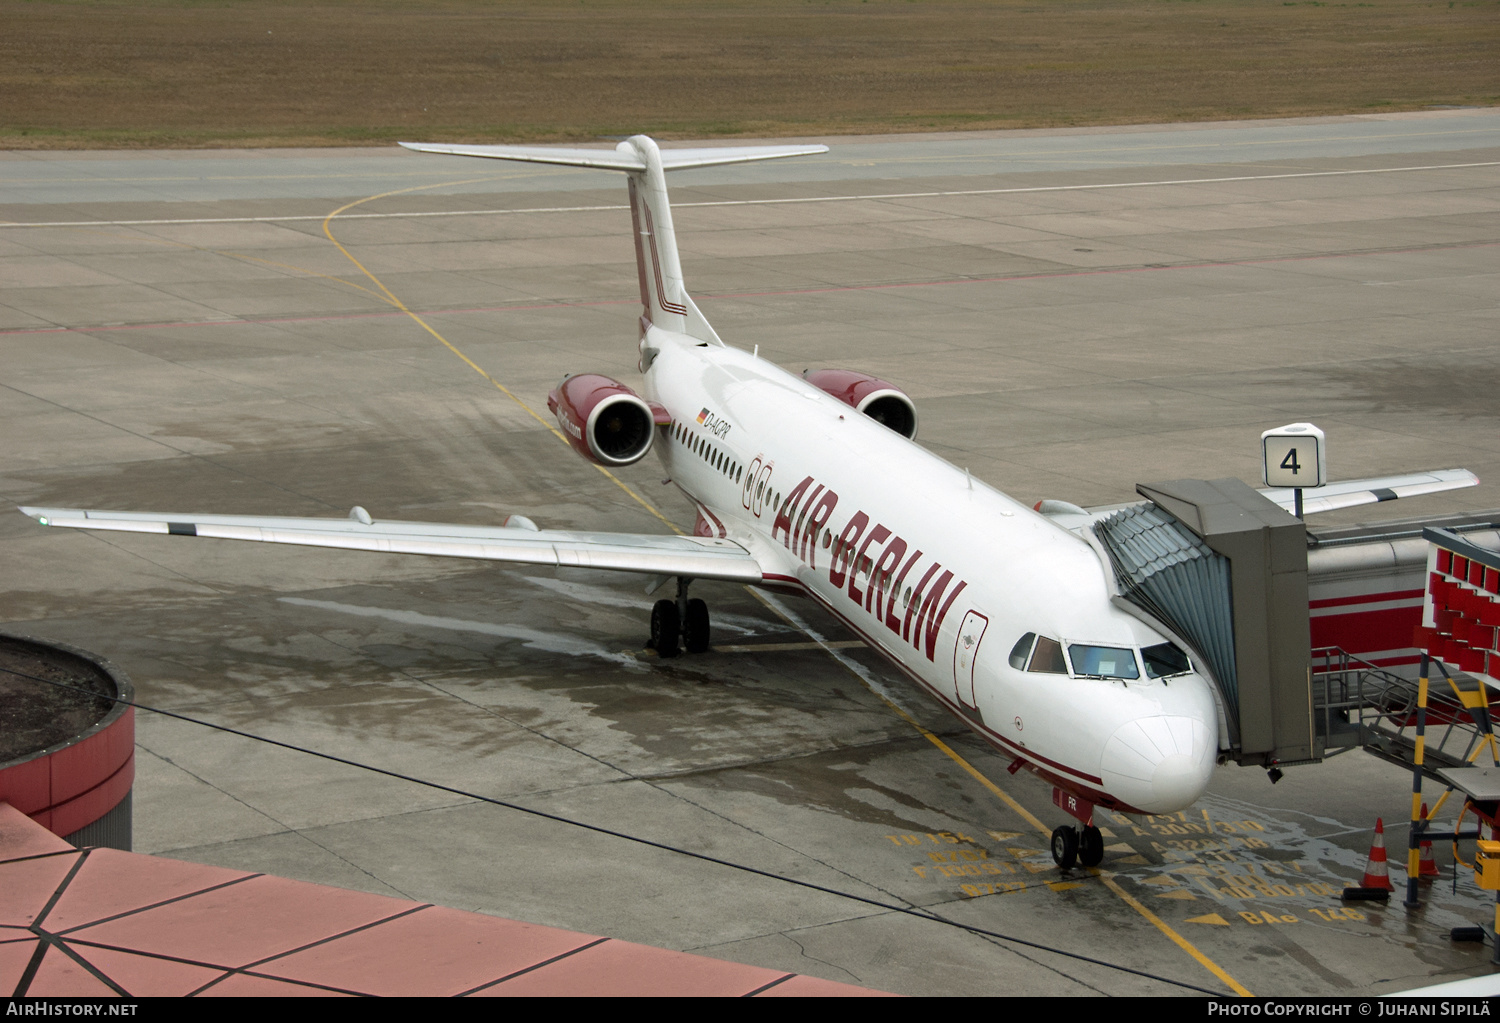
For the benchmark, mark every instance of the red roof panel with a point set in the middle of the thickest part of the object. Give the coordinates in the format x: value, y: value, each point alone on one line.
x: 20, y: 836
x: 244, y: 923
x: 111, y: 882
x: 60, y: 976
x: 27, y: 885
x: 449, y: 952
x: 147, y: 976
x: 242, y: 986
x: 14, y: 955
x: 181, y: 928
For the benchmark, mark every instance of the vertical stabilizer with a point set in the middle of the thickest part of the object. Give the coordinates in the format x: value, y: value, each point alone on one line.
x: 662, y: 292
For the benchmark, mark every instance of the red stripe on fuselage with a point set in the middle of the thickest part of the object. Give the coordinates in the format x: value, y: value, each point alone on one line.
x: 715, y: 519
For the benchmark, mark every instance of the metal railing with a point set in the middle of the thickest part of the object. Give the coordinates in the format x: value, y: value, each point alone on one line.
x: 1359, y: 705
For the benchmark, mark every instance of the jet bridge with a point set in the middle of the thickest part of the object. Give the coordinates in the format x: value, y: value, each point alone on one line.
x: 1225, y: 569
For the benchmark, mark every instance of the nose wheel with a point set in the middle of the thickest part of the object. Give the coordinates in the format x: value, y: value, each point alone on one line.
x: 1091, y: 847
x: 1072, y: 845
x: 1065, y: 846
x: 678, y: 624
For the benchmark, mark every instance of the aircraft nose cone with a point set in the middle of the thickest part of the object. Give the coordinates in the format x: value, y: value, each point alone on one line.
x: 1178, y: 781
x: 1159, y: 764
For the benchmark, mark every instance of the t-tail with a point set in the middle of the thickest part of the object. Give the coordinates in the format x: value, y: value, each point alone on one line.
x: 664, y: 298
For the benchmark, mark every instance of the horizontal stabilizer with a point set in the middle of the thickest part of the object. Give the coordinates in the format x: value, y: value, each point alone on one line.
x: 1350, y: 493
x: 695, y: 556
x: 664, y: 298
x: 624, y: 158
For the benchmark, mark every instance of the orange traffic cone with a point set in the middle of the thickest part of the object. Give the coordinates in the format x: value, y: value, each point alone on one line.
x: 1376, y: 874
x: 1427, y: 865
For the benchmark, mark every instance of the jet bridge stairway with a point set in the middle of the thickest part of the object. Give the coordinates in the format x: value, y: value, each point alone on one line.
x: 1357, y: 705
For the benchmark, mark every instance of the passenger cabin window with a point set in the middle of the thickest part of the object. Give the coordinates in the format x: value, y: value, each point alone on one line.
x: 1018, y: 653
x: 1048, y: 657
x: 1165, y: 659
x: 1104, y: 661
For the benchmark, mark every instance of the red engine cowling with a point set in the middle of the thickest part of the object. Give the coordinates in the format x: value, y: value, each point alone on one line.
x: 605, y: 421
x: 883, y: 402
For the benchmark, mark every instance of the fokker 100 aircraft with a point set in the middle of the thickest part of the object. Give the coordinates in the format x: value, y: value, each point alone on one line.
x: 813, y: 485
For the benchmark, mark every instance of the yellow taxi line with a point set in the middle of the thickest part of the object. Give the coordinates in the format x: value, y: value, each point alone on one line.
x: 1181, y: 942
x: 391, y: 297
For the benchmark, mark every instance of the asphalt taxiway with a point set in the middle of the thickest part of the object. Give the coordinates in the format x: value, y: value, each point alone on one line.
x: 1073, y: 311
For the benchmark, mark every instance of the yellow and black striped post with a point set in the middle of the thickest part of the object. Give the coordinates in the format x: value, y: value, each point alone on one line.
x: 1418, y: 824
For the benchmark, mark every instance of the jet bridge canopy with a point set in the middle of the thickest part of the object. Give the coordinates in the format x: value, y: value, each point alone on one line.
x: 1226, y: 569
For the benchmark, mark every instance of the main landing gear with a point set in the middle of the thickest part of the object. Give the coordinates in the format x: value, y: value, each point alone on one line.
x: 1072, y: 845
x: 680, y: 623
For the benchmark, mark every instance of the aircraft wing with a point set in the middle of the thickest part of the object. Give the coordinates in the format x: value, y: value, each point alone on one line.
x: 695, y: 556
x: 1348, y: 493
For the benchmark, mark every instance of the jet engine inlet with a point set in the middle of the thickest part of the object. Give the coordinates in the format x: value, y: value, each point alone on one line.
x: 883, y: 402
x: 620, y: 430
x: 605, y: 421
x: 894, y: 411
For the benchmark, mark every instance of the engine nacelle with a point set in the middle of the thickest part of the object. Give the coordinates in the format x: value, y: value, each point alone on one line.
x: 883, y: 402
x: 605, y: 421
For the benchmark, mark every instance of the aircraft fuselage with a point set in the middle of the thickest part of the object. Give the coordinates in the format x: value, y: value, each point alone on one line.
x: 940, y: 572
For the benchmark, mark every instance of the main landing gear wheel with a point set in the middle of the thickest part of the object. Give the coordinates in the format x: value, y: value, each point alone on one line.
x: 1065, y: 846
x: 666, y: 628
x: 1091, y: 847
x: 695, y: 627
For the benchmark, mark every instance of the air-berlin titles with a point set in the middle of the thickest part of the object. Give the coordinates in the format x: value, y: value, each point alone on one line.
x: 916, y: 618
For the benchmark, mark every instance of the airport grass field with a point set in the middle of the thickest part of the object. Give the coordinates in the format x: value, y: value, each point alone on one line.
x: 152, y: 73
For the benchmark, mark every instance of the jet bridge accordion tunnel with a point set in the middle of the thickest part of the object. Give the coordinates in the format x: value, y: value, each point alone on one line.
x: 1225, y: 569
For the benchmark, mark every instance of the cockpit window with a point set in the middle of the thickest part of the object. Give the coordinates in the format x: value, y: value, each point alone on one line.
x: 1019, y: 652
x: 1165, y: 659
x: 1103, y: 661
x: 1048, y: 657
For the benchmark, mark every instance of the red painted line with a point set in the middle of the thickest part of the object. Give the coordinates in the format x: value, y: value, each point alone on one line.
x: 1366, y: 598
x: 756, y: 294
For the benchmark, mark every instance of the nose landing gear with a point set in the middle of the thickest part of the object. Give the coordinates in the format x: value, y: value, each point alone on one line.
x: 1072, y: 845
x: 679, y: 623
x: 1065, y: 846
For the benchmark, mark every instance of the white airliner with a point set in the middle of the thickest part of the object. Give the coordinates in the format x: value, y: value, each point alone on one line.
x: 814, y: 486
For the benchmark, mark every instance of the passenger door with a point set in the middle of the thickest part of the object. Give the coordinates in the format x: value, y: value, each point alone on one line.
x: 965, y: 652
